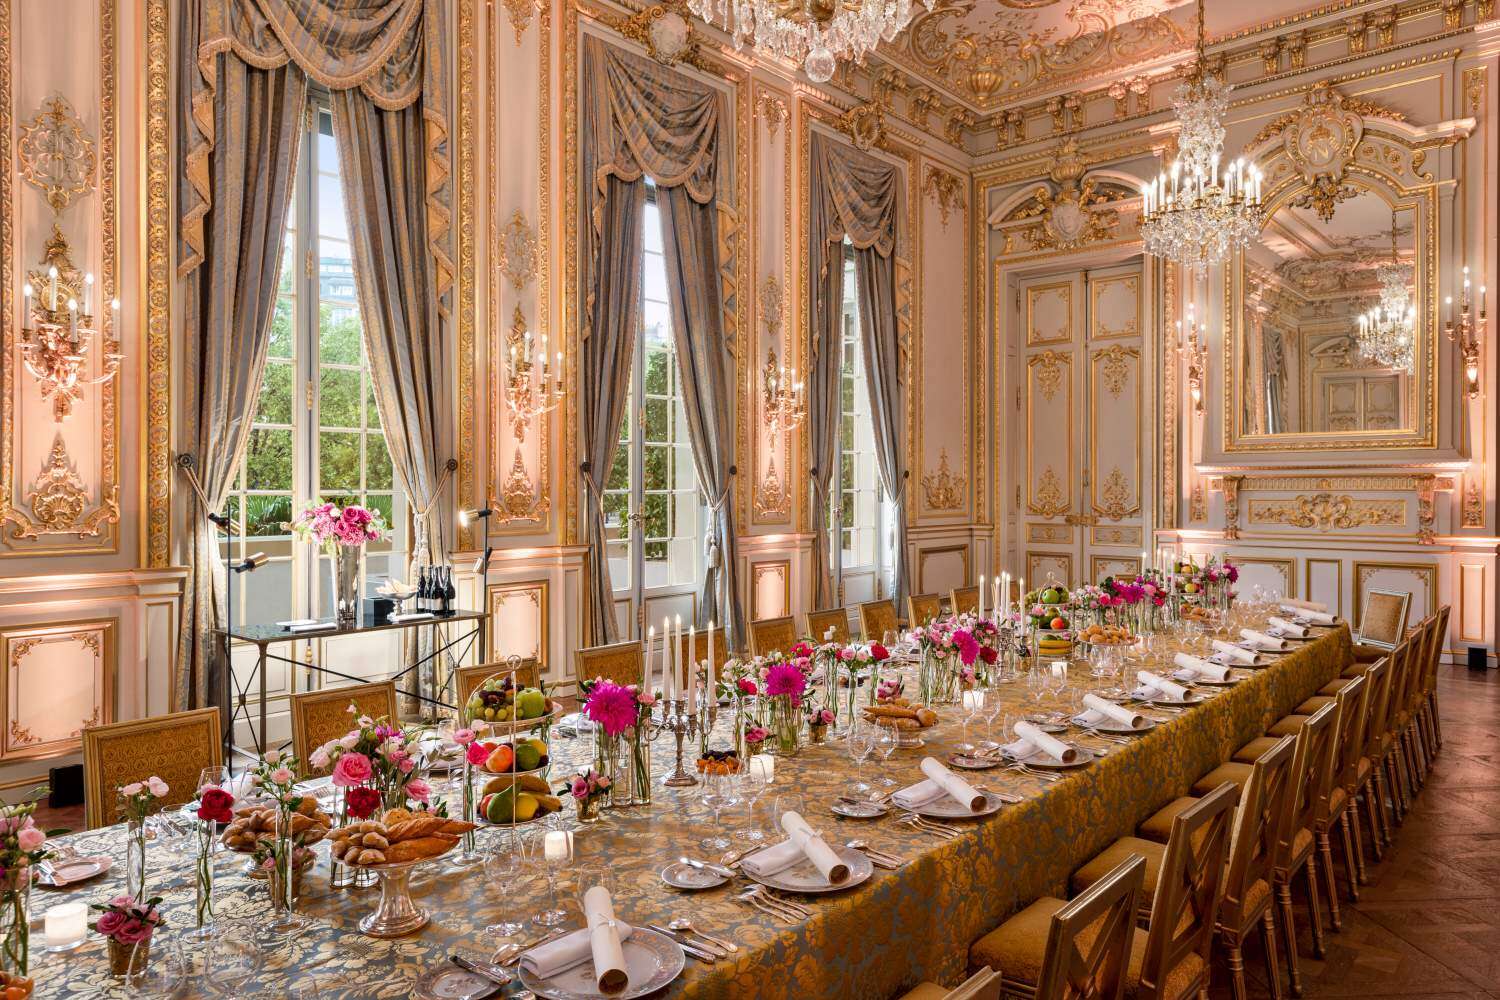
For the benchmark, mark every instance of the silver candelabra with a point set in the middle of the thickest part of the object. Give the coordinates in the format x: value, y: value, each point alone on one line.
x: 682, y: 725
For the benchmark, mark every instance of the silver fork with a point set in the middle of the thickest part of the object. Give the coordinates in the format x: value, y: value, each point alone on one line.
x: 786, y: 901
x: 785, y: 908
x: 759, y: 905
x: 917, y: 823
x: 1023, y: 769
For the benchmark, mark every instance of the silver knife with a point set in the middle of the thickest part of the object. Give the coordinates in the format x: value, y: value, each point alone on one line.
x: 490, y: 972
x: 703, y: 954
x: 708, y: 866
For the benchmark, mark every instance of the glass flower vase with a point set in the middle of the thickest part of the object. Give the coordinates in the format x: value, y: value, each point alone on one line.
x: 15, y: 920
x: 608, y: 762
x: 786, y: 726
x: 203, y: 880
x: 135, y: 858
x: 640, y: 769
x: 347, y: 565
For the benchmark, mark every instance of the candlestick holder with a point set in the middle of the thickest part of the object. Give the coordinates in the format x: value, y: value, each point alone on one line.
x: 681, y: 725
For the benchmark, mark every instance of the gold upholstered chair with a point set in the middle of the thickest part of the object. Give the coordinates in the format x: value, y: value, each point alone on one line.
x: 1172, y: 960
x: 1382, y: 623
x: 982, y: 985
x: 819, y: 622
x: 963, y: 600
x: 876, y: 618
x: 1427, y: 712
x: 923, y: 608
x: 323, y: 715
x: 773, y: 635
x: 620, y: 662
x: 467, y: 679
x: 175, y: 748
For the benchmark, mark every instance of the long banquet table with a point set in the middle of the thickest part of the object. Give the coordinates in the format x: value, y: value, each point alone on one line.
x: 873, y: 941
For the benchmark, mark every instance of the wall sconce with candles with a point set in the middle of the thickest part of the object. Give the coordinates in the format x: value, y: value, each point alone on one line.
x: 58, y: 329
x: 1193, y: 349
x: 529, y: 388
x: 1467, y: 333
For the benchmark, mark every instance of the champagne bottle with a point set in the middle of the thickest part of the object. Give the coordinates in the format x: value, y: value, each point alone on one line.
x: 450, y: 594
x: 424, y: 590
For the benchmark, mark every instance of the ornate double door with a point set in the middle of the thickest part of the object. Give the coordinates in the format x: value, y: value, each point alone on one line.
x: 1083, y: 396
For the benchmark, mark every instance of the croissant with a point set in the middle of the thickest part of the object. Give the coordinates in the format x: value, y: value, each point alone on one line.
x: 374, y: 840
x: 368, y: 856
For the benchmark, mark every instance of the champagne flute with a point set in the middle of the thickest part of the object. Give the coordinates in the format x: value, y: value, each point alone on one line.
x: 860, y: 744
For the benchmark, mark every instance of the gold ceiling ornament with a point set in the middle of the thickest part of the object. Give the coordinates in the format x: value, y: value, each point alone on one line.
x: 55, y: 154
x: 1074, y: 210
x: 667, y: 33
x: 943, y: 490
x: 518, y: 251
x: 59, y: 500
x: 947, y: 189
x: 864, y: 124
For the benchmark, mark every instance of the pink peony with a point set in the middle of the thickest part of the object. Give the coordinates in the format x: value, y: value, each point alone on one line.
x: 30, y: 838
x: 968, y: 649
x: 612, y: 706
x: 132, y: 931
x: 418, y: 790
x: 352, y: 769
x: 282, y: 776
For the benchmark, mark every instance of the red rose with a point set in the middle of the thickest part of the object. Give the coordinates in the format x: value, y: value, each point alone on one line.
x: 362, y: 802
x: 879, y: 652
x: 215, y: 805
x: 987, y: 654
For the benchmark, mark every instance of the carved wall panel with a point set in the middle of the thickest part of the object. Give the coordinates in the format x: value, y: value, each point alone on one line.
x: 58, y: 680
x: 770, y: 589
x: 940, y: 569
x: 1275, y: 575
x: 519, y: 623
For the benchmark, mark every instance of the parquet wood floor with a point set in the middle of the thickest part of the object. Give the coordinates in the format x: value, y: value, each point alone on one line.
x: 1428, y: 924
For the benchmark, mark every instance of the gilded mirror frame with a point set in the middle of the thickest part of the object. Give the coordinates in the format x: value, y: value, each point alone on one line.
x: 1331, y: 148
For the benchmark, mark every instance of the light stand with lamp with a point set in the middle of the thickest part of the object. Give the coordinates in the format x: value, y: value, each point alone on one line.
x: 232, y: 569
x: 481, y: 569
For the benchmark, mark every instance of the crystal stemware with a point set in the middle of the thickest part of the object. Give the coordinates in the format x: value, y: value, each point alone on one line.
x: 860, y: 743
x: 718, y: 792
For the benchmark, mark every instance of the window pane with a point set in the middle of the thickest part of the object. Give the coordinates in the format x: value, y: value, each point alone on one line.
x: 372, y: 412
x: 275, y: 403
x: 657, y: 466
x: 339, y: 334
x: 284, y: 317
x: 338, y: 397
x: 655, y: 508
x: 268, y: 460
x: 338, y: 463
x: 656, y: 420
x: 265, y: 516
x: 378, y: 473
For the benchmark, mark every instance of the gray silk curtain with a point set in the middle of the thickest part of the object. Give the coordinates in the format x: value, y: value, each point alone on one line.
x: 385, y: 63
x: 643, y: 119
x: 228, y: 300
x: 857, y: 196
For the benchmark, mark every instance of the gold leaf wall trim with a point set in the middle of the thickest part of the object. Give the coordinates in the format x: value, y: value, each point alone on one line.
x: 1328, y: 512
x: 55, y: 154
x: 947, y: 190
x: 517, y: 246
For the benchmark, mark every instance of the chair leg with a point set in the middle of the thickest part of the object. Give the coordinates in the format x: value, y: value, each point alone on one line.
x: 1354, y: 851
x: 1393, y: 789
x: 1314, y: 906
x: 1268, y: 938
x: 1236, y: 962
x: 1330, y: 880
x: 1287, y: 918
x: 1437, y: 720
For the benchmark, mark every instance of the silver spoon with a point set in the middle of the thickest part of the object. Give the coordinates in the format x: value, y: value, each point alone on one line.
x: 685, y: 925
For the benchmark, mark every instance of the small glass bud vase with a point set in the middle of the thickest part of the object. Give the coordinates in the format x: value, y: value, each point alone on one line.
x: 786, y: 726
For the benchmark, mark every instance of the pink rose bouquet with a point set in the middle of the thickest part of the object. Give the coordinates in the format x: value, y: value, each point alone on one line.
x: 127, y: 921
x: 327, y: 524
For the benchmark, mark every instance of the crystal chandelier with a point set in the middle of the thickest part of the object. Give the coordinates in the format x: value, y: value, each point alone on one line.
x: 57, y: 332
x: 530, y: 389
x: 1193, y: 213
x: 812, y: 32
x: 1386, y: 332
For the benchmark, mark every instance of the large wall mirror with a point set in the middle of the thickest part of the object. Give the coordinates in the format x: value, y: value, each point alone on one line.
x: 1331, y: 331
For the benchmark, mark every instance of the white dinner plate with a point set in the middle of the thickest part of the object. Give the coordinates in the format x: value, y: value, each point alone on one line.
x: 803, y: 877
x: 947, y: 808
x: 652, y: 960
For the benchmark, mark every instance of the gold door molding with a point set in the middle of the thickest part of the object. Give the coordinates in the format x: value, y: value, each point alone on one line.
x: 962, y: 551
x: 1049, y: 399
x: 1059, y: 296
x: 1287, y: 568
x: 533, y: 601
x: 760, y: 571
x: 1115, y: 383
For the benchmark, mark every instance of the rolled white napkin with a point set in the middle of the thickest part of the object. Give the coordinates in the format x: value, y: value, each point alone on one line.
x: 957, y: 788
x: 1099, y: 709
x: 1198, y: 667
x: 811, y: 844
x: 1302, y: 605
x: 1262, y: 641
x: 1229, y: 651
x: 604, y: 942
x: 1310, y: 614
x: 1288, y: 627
x: 1033, y: 739
x: 561, y: 954
x: 1156, y: 682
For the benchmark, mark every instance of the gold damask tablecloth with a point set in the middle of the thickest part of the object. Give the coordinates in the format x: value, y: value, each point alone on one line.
x: 871, y: 942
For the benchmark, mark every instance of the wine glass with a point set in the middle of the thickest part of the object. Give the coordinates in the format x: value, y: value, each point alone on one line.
x: 886, y: 744
x: 718, y: 792
x: 504, y: 868
x: 557, y: 855
x: 157, y: 966
x: 994, y: 703
x: 971, y: 704
x: 757, y: 777
x: 860, y: 743
x: 789, y: 802
x: 230, y: 958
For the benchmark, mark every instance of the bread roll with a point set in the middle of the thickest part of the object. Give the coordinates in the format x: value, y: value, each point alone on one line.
x: 420, y: 847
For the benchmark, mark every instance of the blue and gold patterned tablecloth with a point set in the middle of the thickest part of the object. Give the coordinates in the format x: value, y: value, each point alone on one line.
x: 873, y: 941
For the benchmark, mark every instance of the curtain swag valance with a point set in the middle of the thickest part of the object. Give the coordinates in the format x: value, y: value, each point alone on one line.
x: 394, y: 51
x: 862, y: 192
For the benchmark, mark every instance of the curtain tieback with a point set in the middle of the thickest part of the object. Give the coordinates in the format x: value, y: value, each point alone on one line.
x: 423, y: 510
